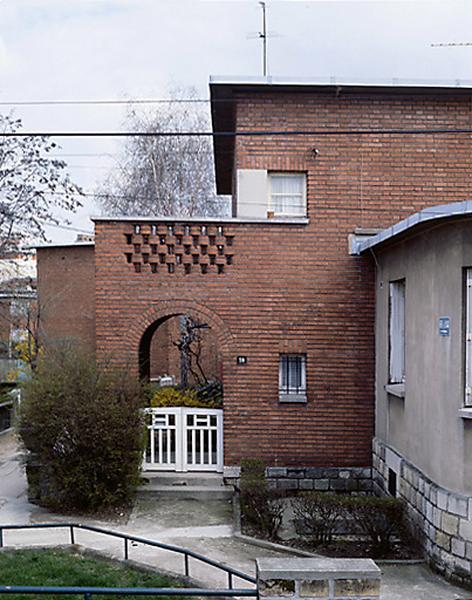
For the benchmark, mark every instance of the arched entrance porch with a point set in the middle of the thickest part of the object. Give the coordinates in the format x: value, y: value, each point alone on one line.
x: 187, y: 436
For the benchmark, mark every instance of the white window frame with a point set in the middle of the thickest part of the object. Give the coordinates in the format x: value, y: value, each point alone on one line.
x: 468, y: 339
x: 286, y: 393
x: 397, y: 331
x: 274, y: 174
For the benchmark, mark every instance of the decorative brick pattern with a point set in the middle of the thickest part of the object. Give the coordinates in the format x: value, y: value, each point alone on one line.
x: 167, y: 248
x: 440, y: 519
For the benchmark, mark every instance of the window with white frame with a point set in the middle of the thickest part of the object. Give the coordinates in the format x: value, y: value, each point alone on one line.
x: 397, y: 332
x: 468, y: 338
x: 292, y: 377
x: 287, y: 194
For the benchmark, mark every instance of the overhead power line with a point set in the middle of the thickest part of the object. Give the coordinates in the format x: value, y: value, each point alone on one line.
x: 450, y: 44
x: 228, y: 134
x: 67, y: 227
x: 112, y: 101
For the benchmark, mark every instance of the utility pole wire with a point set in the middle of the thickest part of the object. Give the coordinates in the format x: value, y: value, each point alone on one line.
x: 113, y: 101
x: 450, y: 44
x: 216, y: 134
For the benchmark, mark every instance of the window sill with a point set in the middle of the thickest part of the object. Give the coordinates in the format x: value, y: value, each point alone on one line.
x: 395, y: 389
x: 465, y: 413
x: 301, y: 398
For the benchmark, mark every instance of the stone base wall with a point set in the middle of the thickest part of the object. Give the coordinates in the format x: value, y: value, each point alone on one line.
x: 334, y: 479
x: 441, y: 519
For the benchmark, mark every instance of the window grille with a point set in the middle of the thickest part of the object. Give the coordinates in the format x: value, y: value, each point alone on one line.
x: 292, y: 374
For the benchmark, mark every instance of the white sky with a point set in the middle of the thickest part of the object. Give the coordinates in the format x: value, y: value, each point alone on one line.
x: 125, y: 49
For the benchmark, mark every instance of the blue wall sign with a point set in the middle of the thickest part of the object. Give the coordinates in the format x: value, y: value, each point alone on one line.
x: 444, y: 326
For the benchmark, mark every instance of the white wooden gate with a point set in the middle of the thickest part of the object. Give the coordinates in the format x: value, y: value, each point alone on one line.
x: 184, y: 439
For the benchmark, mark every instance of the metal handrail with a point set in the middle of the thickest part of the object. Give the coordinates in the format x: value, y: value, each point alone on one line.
x: 88, y: 592
x: 132, y: 538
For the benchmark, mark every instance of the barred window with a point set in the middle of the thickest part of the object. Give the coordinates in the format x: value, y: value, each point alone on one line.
x: 292, y: 377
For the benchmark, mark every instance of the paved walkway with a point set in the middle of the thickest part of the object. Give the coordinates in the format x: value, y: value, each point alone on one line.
x: 202, y: 527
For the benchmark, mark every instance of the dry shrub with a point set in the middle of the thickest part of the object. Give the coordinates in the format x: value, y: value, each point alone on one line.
x: 317, y: 514
x: 261, y: 507
x: 83, y: 429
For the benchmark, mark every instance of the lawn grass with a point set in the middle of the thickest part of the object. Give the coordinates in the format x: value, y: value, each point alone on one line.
x: 42, y: 567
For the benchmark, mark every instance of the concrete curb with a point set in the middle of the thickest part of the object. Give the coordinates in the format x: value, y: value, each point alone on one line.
x: 400, y: 561
x: 273, y: 546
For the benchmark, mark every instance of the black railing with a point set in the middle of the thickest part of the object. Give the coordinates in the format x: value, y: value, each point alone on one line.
x: 89, y: 592
x: 185, y: 552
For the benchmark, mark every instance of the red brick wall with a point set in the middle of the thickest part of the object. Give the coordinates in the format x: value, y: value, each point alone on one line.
x: 5, y: 326
x: 66, y: 293
x: 164, y: 355
x: 293, y: 287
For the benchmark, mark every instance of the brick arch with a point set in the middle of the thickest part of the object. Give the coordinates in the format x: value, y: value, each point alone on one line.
x: 162, y: 310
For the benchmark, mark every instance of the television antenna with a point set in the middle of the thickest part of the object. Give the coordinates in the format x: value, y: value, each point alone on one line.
x: 263, y: 35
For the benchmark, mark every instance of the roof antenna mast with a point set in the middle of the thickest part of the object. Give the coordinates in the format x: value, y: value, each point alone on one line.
x: 263, y: 36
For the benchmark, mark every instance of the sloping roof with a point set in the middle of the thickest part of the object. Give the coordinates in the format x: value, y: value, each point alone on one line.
x: 223, y: 92
x: 432, y: 213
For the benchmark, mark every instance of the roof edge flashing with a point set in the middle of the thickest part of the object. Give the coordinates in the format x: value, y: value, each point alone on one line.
x: 431, y: 213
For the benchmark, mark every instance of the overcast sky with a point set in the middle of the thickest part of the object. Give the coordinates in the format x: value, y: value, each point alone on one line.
x: 125, y: 49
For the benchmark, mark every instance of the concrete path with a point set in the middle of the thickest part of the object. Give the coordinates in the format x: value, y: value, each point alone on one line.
x: 203, y: 527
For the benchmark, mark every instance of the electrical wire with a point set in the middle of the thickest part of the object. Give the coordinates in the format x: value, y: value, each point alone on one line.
x: 234, y: 134
x: 112, y: 101
x: 67, y: 227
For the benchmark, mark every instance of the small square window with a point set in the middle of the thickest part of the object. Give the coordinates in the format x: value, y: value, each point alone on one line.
x: 287, y: 194
x: 292, y: 378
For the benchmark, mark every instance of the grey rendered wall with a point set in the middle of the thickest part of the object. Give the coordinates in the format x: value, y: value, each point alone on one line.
x: 425, y: 426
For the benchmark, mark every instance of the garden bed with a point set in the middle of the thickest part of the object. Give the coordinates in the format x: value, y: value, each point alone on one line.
x: 61, y: 567
x: 325, y: 523
x: 340, y: 548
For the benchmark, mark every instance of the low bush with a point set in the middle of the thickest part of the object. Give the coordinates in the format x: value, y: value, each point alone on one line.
x: 261, y: 507
x: 83, y: 429
x: 169, y: 396
x: 317, y: 514
x: 380, y: 519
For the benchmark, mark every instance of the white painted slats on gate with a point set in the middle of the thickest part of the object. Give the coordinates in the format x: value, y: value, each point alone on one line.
x: 163, y: 451
x: 184, y: 439
x: 203, y: 450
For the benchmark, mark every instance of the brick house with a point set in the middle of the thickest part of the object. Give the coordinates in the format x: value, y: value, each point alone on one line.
x: 292, y: 310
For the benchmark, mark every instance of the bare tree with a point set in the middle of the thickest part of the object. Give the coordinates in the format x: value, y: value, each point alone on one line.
x: 32, y: 185
x: 190, y: 348
x: 165, y: 176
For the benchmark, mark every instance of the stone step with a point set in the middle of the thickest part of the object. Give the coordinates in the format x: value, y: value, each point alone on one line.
x: 182, y: 479
x: 199, y: 486
x: 195, y: 492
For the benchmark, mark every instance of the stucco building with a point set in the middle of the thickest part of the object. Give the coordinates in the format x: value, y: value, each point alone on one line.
x: 423, y: 443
